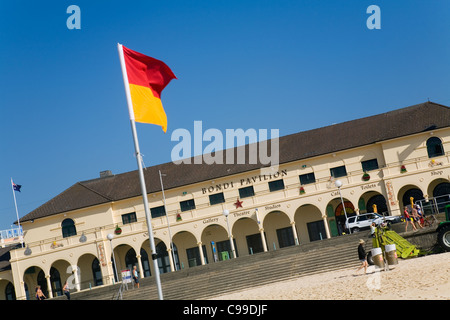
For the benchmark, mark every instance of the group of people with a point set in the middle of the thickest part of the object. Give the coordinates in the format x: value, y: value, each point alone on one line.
x: 413, y: 216
x: 41, y: 296
x: 66, y: 290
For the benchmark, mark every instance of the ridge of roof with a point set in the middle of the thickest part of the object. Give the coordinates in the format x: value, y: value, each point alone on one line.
x: 293, y: 147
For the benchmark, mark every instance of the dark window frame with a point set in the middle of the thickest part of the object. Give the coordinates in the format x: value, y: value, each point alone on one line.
x: 246, y: 192
x: 216, y: 198
x: 276, y: 185
x: 129, y: 218
x: 336, y: 171
x: 369, y: 165
x: 157, y: 212
x: 435, y: 147
x: 307, y: 178
x: 187, y: 205
x: 68, y: 228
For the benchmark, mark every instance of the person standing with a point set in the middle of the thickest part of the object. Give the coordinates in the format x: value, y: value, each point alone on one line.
x: 135, y: 277
x: 362, y: 256
x: 66, y: 290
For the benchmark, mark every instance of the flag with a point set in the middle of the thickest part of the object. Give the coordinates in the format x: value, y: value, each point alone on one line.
x: 16, y: 187
x: 145, y: 78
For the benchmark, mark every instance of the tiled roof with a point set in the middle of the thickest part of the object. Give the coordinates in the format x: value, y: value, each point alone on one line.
x: 302, y: 145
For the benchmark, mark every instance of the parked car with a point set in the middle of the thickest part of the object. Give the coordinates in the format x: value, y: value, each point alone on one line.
x: 364, y: 221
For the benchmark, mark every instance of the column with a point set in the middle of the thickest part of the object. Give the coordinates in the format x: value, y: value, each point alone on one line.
x: 169, y: 252
x: 141, y: 269
x: 202, y: 258
x: 49, y: 287
x: 18, y: 277
x: 294, y: 232
x: 263, y: 239
x: 76, y: 276
x: 327, y: 228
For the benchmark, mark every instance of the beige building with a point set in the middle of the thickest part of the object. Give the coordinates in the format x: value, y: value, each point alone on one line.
x: 382, y: 160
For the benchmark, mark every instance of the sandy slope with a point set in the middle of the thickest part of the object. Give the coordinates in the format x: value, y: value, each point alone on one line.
x: 417, y: 278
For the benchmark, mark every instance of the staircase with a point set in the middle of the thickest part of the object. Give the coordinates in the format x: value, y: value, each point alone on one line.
x: 214, y: 279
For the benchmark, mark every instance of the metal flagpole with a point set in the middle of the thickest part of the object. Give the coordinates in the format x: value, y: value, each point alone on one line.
x: 17, y: 211
x: 141, y: 173
x: 168, y: 224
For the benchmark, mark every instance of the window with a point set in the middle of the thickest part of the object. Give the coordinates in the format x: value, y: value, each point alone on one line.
x: 193, y: 256
x: 129, y: 218
x: 246, y: 192
x: 224, y: 249
x: 285, y: 237
x: 338, y: 172
x: 276, y: 185
x: 434, y: 147
x: 97, y: 272
x: 187, y: 205
x: 307, y: 178
x: 368, y: 165
x: 216, y: 198
x: 68, y: 228
x: 158, y: 212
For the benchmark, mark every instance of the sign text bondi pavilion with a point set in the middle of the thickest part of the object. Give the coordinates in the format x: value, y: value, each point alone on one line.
x: 244, y: 182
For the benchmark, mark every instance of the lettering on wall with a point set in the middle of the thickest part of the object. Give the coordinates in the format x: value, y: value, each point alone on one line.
x: 244, y: 182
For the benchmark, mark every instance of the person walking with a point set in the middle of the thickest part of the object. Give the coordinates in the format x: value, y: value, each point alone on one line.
x: 415, y: 216
x: 362, y: 256
x: 408, y: 219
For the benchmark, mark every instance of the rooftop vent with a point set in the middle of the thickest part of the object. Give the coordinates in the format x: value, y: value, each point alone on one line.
x: 106, y: 173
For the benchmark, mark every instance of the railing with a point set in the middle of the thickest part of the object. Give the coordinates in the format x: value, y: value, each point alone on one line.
x: 119, y: 294
x: 434, y: 205
x: 11, y: 236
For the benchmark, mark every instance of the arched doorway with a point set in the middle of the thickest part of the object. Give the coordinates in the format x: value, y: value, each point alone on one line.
x: 309, y: 223
x: 247, y: 236
x: 380, y: 202
x: 414, y: 193
x: 89, y: 272
x: 32, y: 277
x: 279, y: 230
x: 441, y: 194
x: 162, y: 255
x: 55, y: 282
x: 188, y: 252
x: 217, y: 244
x: 340, y: 213
x: 131, y: 261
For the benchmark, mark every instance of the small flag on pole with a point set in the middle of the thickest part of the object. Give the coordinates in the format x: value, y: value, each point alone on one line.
x: 145, y: 78
x: 16, y: 187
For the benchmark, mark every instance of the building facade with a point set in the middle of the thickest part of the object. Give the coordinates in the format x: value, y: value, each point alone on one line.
x: 382, y: 162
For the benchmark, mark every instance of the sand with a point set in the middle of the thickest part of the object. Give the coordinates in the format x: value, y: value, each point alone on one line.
x: 421, y: 278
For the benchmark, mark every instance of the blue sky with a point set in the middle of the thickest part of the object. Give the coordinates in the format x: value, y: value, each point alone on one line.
x: 274, y: 64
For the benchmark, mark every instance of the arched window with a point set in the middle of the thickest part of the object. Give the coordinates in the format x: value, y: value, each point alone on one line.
x: 68, y: 228
x: 434, y: 147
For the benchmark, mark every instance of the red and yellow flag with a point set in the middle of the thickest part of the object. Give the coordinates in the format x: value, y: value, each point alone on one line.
x: 146, y: 78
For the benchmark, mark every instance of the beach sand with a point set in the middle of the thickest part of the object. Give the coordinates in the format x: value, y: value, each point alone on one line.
x: 420, y: 278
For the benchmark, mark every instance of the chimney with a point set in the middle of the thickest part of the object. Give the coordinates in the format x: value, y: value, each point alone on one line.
x: 106, y: 173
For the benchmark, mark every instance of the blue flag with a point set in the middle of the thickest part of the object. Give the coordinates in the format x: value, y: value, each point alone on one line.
x: 16, y: 187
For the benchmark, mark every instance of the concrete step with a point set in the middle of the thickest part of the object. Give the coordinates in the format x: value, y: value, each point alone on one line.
x: 214, y: 279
